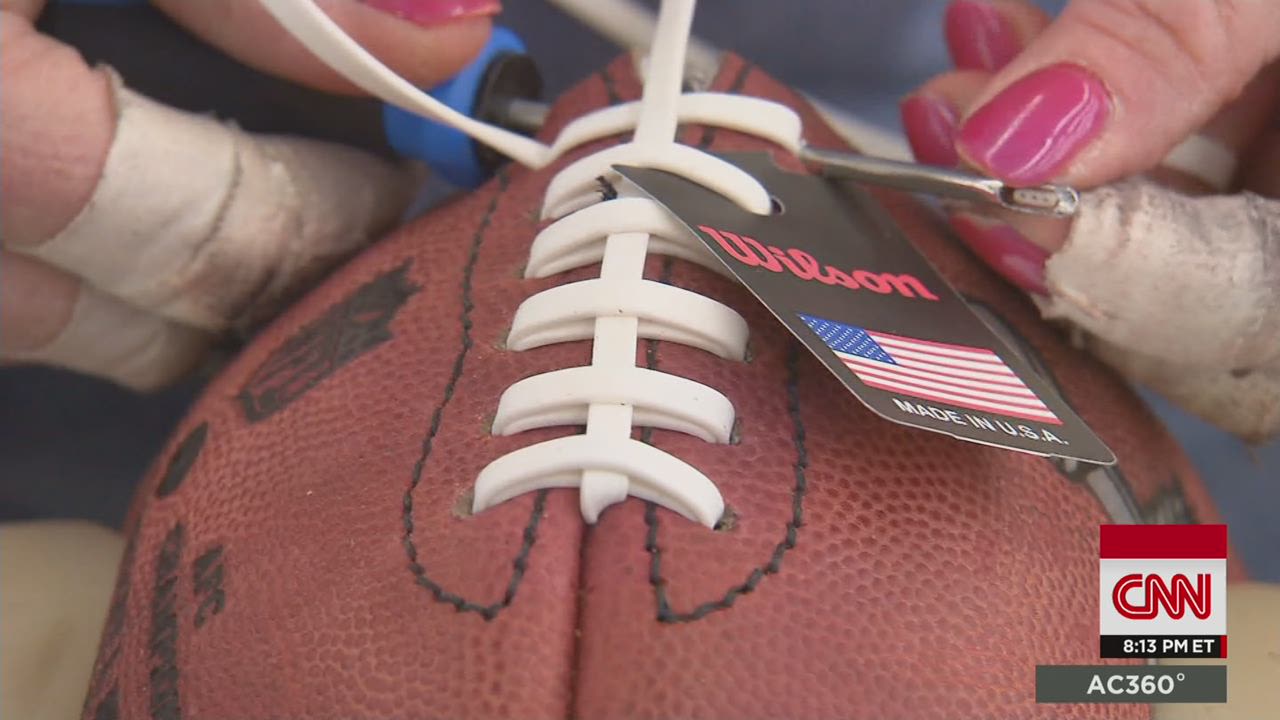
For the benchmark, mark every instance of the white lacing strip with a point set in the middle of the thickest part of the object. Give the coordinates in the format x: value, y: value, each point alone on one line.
x: 607, y: 466
x: 612, y: 395
x: 578, y: 184
x: 767, y: 120
x: 659, y: 400
x: 662, y: 312
x: 578, y: 239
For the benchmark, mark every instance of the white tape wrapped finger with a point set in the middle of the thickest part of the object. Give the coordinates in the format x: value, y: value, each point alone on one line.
x: 1181, y: 293
x: 203, y: 223
x: 114, y: 340
x: 1244, y: 403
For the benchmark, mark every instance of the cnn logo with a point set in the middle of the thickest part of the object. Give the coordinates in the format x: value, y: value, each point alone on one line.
x: 1140, y: 596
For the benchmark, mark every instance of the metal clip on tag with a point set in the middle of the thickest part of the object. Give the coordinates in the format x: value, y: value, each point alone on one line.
x: 1055, y: 200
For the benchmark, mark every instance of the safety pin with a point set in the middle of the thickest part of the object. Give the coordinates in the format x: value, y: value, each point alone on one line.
x: 1055, y: 200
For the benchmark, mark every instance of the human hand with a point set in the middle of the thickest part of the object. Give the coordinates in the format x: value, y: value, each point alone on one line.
x: 1170, y: 271
x: 133, y: 233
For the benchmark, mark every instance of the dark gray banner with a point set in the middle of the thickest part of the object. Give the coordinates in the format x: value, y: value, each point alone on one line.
x: 1131, y: 684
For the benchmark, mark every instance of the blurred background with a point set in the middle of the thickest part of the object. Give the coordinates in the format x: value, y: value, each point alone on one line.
x: 74, y: 447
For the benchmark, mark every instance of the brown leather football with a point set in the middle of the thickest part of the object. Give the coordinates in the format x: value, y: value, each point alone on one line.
x: 306, y: 546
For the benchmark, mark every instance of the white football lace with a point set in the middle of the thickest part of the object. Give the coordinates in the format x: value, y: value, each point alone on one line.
x: 611, y: 396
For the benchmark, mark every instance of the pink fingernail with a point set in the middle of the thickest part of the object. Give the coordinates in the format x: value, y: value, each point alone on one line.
x: 1037, y: 125
x: 979, y: 37
x: 1006, y: 250
x: 930, y: 125
x: 436, y: 12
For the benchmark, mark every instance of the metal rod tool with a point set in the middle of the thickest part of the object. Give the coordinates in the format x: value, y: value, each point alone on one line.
x: 1056, y: 200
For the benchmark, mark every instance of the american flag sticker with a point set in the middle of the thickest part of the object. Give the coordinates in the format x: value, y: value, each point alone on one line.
x: 967, y: 377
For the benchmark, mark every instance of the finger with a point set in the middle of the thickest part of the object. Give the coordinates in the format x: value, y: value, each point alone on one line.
x: 1112, y: 85
x: 1188, y: 286
x: 50, y: 317
x: 987, y: 34
x: 173, y: 212
x: 1178, y: 292
x: 929, y: 115
x: 1017, y: 244
x: 425, y: 41
x: 54, y: 142
x: 990, y: 234
x: 245, y: 220
x: 1245, y: 403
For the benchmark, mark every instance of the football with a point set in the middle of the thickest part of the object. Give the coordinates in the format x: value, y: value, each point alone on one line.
x: 374, y: 511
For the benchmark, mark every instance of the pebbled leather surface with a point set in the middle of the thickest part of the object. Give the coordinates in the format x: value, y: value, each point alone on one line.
x: 309, y: 555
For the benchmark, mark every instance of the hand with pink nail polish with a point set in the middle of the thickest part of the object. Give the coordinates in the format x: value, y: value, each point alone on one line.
x: 1105, y: 90
x: 134, y: 233
x: 1147, y: 106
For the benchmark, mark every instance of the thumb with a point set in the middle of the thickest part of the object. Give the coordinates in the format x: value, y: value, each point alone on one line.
x: 1111, y: 86
x: 424, y: 41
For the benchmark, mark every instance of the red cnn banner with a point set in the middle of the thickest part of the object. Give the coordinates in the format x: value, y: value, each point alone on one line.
x: 1162, y: 591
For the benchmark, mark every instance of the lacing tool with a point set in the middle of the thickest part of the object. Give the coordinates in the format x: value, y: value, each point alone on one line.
x: 1055, y: 200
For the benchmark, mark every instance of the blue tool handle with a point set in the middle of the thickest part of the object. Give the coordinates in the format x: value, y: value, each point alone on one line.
x: 448, y: 152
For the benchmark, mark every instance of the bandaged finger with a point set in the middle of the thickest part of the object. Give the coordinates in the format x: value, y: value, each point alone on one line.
x: 80, y: 328
x: 1194, y: 280
x: 1246, y: 404
x: 200, y: 222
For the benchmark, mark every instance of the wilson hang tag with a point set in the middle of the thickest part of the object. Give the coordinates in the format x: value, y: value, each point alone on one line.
x: 848, y: 284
